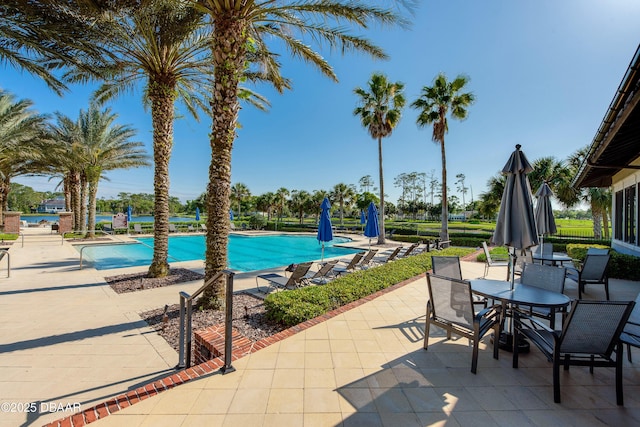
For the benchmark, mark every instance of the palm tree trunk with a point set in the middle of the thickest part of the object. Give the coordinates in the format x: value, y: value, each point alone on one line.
x: 93, y: 194
x: 4, y: 200
x: 83, y: 202
x: 66, y: 189
x: 228, y: 48
x: 162, y: 98
x: 444, y: 232
x: 381, y: 235
x: 605, y: 224
x: 74, y: 178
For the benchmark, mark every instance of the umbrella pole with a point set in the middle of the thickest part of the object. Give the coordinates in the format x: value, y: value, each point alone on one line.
x: 322, y: 253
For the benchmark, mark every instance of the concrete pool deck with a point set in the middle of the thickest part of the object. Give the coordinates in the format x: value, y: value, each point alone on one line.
x: 68, y: 338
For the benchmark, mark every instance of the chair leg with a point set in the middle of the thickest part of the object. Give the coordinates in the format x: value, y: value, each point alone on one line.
x: 629, y: 353
x: 426, y: 329
x: 619, y: 394
x: 556, y: 379
x: 580, y: 289
x: 474, y: 356
x: 606, y: 288
x: 496, y: 333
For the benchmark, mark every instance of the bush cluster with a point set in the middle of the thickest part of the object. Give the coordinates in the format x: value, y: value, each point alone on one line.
x: 298, y: 305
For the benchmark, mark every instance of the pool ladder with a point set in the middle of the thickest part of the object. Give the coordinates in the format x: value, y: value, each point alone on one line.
x: 186, y: 308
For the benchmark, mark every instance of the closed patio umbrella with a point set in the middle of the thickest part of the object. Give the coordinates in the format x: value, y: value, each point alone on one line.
x: 372, y: 230
x: 230, y: 215
x: 325, y: 231
x: 545, y: 221
x: 128, y: 214
x: 363, y: 219
x: 197, y: 214
x: 516, y: 226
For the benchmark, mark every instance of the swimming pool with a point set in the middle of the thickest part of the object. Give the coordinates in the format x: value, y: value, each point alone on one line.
x: 246, y: 253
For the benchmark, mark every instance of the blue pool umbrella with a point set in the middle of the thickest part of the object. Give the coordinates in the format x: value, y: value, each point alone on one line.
x: 325, y: 232
x: 197, y: 214
x: 372, y: 230
x: 128, y: 214
x: 230, y: 214
x: 363, y: 219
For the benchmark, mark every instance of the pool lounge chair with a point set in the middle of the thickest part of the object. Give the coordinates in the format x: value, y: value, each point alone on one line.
x: 366, y: 260
x: 382, y: 259
x: 190, y: 228
x: 351, y: 264
x: 324, y: 274
x: 296, y: 280
x: 203, y: 227
x: 172, y: 228
x: 138, y: 228
x: 409, y: 250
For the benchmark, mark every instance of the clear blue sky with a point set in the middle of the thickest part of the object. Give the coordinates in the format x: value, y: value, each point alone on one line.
x: 543, y: 72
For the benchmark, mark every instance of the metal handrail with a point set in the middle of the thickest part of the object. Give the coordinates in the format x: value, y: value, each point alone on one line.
x: 186, y: 308
x: 4, y: 252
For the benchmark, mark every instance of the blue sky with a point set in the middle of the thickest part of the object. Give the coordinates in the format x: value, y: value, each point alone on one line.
x: 543, y: 73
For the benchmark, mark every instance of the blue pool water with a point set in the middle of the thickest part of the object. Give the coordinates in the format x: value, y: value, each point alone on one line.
x: 246, y: 253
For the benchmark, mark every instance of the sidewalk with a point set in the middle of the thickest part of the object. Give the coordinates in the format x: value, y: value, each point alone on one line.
x: 67, y: 338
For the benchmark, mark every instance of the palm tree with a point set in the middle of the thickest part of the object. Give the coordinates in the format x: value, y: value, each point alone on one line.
x: 343, y: 194
x: 164, y: 46
x: 244, y: 26
x: 107, y: 146
x: 282, y: 196
x: 240, y: 192
x: 491, y: 199
x: 317, y: 197
x: 39, y: 37
x: 88, y: 147
x: 300, y: 203
x: 380, y: 111
x: 434, y: 104
x: 20, y: 130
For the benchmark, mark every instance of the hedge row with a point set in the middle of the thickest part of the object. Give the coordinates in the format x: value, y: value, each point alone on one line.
x: 298, y: 305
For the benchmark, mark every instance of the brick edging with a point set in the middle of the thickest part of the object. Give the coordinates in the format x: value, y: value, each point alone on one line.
x: 124, y: 400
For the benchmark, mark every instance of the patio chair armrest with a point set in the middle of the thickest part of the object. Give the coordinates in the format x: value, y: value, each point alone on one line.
x: 521, y: 315
x: 489, y: 312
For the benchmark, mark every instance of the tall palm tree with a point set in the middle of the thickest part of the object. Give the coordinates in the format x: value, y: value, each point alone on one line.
x: 344, y: 195
x: 434, y: 104
x: 380, y: 109
x: 317, y: 197
x: 282, y: 195
x: 20, y: 130
x: 88, y: 147
x: 239, y: 193
x: 164, y: 46
x: 107, y: 146
x: 244, y: 26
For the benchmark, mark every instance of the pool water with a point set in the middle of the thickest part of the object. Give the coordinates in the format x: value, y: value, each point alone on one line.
x: 246, y: 253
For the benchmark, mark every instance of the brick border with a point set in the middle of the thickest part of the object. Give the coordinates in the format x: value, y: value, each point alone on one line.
x: 132, y: 397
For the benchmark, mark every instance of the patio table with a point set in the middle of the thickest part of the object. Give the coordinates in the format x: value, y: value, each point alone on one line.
x: 555, y: 259
x: 522, y: 294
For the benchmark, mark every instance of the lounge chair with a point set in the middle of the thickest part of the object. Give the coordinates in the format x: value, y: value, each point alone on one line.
x: 409, y: 250
x: 366, y: 260
x: 351, y: 265
x: 322, y: 276
x: 493, y: 260
x: 232, y: 226
x: 138, y: 228
x: 204, y: 227
x: 296, y: 280
x: 589, y: 337
x: 172, y: 228
x: 190, y: 228
x: 385, y: 259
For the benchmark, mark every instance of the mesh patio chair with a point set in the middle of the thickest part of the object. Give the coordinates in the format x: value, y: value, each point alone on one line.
x: 493, y: 260
x: 449, y: 266
x: 525, y: 257
x: 593, y: 271
x: 589, y: 337
x: 351, y: 265
x: 631, y: 332
x: 366, y: 260
x: 548, y: 278
x: 382, y: 259
x: 450, y: 307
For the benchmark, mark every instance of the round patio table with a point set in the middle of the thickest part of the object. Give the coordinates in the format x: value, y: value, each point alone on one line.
x: 502, y: 291
x: 555, y: 259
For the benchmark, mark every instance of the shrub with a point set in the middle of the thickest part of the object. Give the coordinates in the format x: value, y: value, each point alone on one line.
x: 8, y: 236
x: 298, y: 305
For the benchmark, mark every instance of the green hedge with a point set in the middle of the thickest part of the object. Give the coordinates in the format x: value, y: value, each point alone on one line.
x: 9, y: 236
x: 465, y: 241
x: 296, y: 306
x: 621, y: 266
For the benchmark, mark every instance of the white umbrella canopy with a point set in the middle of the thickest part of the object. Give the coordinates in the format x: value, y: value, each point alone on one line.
x: 545, y: 221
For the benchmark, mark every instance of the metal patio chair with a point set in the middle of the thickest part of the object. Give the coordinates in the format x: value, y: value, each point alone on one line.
x: 450, y: 307
x: 589, y: 337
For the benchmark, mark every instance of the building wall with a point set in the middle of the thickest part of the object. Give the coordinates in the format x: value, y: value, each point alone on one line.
x: 625, y: 215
